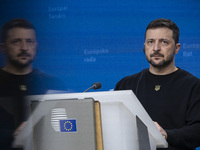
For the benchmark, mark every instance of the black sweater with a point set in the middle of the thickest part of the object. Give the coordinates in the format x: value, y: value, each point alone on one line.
x: 34, y: 83
x: 173, y: 101
x: 12, y: 90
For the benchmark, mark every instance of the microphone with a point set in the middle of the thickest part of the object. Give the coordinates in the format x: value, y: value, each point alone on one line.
x: 94, y: 86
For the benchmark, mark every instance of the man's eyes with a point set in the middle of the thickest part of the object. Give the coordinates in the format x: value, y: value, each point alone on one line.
x: 164, y: 42
x: 18, y: 41
x: 149, y: 42
x: 30, y: 41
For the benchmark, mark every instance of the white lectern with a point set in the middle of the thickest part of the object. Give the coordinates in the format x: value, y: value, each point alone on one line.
x: 125, y: 123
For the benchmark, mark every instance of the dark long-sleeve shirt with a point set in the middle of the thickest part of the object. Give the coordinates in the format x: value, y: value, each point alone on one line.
x: 13, y: 109
x: 173, y: 101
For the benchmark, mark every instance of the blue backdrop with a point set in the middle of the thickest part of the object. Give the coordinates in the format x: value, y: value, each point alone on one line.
x: 85, y: 41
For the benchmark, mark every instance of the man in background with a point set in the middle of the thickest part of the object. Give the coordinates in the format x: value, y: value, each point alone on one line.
x: 170, y: 95
x: 18, y: 78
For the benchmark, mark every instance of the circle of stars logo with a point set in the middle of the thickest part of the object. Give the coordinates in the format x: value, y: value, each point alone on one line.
x: 68, y: 125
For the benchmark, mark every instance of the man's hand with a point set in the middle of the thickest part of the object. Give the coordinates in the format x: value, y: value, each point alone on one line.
x: 19, y: 129
x: 162, y: 131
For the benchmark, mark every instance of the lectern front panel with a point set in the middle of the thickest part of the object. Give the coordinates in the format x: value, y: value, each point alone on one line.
x: 64, y: 124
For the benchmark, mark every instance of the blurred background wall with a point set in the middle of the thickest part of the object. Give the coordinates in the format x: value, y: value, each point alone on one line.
x: 87, y: 41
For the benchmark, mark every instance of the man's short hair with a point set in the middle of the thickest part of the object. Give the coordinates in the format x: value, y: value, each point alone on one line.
x: 162, y: 22
x: 14, y: 23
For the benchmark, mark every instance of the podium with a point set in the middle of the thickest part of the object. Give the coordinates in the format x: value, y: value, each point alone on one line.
x: 125, y: 123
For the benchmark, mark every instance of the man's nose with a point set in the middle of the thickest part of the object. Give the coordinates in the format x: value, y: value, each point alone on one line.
x: 156, y: 46
x: 24, y: 45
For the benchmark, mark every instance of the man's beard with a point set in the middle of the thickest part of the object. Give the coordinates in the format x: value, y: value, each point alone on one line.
x: 163, y: 63
x: 19, y: 64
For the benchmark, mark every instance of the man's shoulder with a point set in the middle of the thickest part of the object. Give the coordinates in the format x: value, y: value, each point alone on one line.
x: 187, y: 75
x: 130, y: 81
x: 48, y: 80
x: 38, y: 72
x: 41, y: 74
x: 187, y: 78
x: 135, y: 76
x: 4, y: 75
x: 44, y: 77
x: 2, y: 72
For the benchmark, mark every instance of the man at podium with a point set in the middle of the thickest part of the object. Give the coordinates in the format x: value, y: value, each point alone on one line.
x: 170, y: 95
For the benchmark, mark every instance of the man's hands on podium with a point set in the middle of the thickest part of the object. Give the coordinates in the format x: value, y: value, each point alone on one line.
x: 162, y: 131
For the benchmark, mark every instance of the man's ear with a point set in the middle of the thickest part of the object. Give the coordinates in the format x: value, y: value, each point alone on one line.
x: 178, y: 45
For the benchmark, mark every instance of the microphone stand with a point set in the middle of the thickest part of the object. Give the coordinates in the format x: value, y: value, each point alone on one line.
x: 88, y: 89
x: 94, y: 86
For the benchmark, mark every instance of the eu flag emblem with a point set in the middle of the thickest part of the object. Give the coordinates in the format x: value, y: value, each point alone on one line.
x: 68, y: 125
